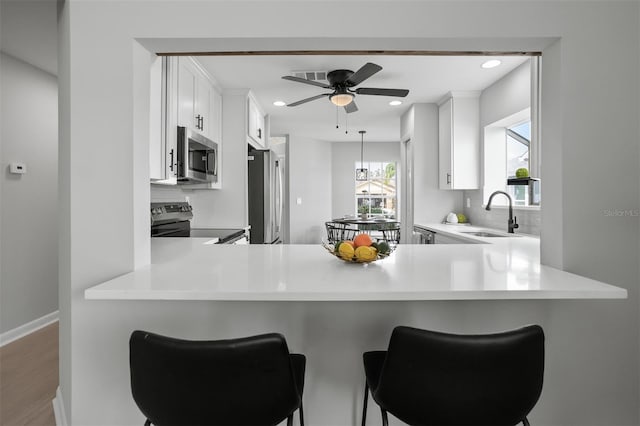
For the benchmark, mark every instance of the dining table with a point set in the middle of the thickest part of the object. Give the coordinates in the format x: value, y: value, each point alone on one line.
x: 369, y: 223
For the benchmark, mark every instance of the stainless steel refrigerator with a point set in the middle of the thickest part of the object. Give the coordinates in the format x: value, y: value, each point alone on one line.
x: 266, y: 201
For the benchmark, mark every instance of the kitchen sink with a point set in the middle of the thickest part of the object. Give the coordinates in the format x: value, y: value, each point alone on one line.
x: 485, y: 234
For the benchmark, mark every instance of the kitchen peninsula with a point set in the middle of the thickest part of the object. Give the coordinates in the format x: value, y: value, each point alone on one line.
x: 333, y: 311
x: 194, y: 269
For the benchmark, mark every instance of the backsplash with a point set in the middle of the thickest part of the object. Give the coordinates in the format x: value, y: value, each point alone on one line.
x: 497, y: 217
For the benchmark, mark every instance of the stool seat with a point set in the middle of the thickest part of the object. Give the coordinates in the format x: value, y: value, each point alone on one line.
x: 433, y: 378
x: 243, y: 382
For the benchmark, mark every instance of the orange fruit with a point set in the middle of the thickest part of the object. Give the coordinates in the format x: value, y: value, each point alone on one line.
x: 362, y: 240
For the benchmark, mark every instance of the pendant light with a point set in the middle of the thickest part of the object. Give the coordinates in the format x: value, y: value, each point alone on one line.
x: 362, y: 173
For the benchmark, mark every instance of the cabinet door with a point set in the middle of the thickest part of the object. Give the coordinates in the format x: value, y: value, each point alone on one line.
x: 465, y: 152
x: 156, y: 142
x: 203, y: 106
x: 255, y: 127
x: 186, y: 94
x: 445, y: 146
x: 459, y: 143
x: 216, y: 116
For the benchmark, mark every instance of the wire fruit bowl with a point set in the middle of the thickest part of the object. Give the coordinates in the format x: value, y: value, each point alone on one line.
x: 332, y: 250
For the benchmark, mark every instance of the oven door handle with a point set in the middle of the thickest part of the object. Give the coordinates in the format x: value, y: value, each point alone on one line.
x: 170, y: 231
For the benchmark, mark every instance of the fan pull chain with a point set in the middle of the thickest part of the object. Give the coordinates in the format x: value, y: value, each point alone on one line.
x: 346, y: 123
x: 337, y: 117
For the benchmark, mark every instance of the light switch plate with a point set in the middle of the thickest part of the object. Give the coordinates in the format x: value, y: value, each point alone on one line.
x: 18, y: 168
x: 299, y: 200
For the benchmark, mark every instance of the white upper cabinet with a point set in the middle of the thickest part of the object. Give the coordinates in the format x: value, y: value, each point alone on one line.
x: 459, y: 141
x: 182, y: 94
x: 197, y: 100
x: 256, y: 124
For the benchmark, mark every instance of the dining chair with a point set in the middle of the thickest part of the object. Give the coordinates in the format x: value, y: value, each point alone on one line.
x: 434, y: 378
x: 242, y: 382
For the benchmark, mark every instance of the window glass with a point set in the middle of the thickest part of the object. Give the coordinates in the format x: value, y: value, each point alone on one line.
x: 376, y: 196
x: 518, y: 142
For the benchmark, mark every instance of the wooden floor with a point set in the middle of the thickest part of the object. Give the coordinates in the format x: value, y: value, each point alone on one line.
x: 29, y: 378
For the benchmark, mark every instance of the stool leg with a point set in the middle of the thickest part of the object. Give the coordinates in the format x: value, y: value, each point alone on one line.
x: 385, y: 420
x: 525, y: 422
x: 364, y: 404
x: 301, y: 415
x: 147, y: 422
x: 290, y: 420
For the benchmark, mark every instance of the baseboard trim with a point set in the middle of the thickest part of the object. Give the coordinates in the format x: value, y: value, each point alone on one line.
x: 28, y: 328
x: 58, y: 409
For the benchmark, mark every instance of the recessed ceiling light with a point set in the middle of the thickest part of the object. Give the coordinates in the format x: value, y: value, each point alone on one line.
x: 279, y: 103
x: 395, y: 103
x: 491, y: 63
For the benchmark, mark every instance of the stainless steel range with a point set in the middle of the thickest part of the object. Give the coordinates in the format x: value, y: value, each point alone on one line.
x: 174, y: 220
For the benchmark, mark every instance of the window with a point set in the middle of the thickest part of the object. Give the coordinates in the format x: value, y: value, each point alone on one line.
x: 376, y: 195
x: 508, y: 147
x: 518, y: 140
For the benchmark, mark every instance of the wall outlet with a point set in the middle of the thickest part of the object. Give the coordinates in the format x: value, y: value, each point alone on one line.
x: 18, y: 168
x: 468, y: 202
x: 299, y: 201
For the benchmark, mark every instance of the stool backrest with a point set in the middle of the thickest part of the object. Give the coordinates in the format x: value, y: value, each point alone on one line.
x: 433, y: 378
x: 246, y: 381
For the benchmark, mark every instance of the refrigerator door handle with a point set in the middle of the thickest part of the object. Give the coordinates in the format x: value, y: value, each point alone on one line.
x: 278, y: 197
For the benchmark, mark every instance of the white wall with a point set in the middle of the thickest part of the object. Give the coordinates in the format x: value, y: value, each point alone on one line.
x: 29, y: 280
x: 430, y: 203
x: 310, y: 180
x: 344, y: 155
x: 592, y: 346
x: 509, y: 95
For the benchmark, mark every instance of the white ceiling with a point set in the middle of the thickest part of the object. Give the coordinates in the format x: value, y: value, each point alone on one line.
x: 428, y: 79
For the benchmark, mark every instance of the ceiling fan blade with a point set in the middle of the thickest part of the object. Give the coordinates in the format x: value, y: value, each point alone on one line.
x: 366, y: 71
x: 351, y: 107
x: 398, y: 93
x: 305, y: 81
x: 304, y: 101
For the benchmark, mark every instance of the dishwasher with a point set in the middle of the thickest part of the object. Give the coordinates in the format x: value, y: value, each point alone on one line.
x: 423, y: 236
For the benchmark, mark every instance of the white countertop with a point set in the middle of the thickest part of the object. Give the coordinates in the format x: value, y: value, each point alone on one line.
x: 503, y: 268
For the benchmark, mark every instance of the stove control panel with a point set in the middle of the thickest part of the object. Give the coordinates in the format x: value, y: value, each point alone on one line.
x: 170, y: 212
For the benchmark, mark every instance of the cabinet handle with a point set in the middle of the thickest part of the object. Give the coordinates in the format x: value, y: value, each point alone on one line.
x: 448, y: 178
x: 202, y: 123
x: 259, y: 133
x: 171, y: 161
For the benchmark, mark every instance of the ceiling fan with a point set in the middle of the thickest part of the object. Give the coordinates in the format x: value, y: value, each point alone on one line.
x: 342, y: 82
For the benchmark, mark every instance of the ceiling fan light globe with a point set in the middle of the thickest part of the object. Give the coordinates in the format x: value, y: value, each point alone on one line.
x: 341, y: 99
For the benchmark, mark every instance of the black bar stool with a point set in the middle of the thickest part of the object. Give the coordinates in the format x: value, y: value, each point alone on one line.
x: 247, y: 381
x: 432, y: 378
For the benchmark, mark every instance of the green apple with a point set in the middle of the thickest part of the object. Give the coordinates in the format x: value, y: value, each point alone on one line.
x: 522, y: 172
x: 461, y: 218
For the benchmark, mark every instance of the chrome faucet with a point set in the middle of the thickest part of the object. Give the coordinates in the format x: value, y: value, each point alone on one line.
x: 512, y: 224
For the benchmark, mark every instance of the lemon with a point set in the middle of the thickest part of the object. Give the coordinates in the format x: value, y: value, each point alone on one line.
x: 346, y: 251
x: 461, y: 218
x: 366, y: 253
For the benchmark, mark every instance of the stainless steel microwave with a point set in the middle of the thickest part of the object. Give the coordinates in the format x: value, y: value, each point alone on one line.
x: 197, y: 158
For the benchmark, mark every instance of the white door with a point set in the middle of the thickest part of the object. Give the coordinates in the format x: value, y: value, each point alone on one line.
x: 406, y: 192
